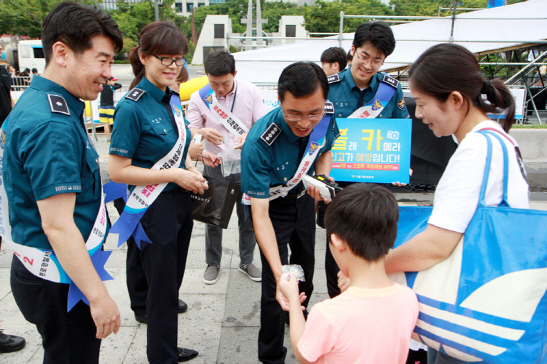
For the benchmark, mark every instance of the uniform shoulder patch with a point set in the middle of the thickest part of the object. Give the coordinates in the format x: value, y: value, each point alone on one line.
x: 271, y: 134
x: 401, y: 103
x: 58, y: 104
x: 329, y: 108
x: 334, y: 78
x: 134, y: 94
x: 390, y: 81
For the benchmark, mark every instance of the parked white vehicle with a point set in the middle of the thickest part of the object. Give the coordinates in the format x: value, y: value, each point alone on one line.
x: 26, y: 54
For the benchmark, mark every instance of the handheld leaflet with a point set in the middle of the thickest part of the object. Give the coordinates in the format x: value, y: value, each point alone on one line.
x: 327, y: 189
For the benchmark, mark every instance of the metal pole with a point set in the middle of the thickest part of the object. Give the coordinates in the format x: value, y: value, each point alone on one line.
x: 451, y: 40
x: 156, y: 11
x: 532, y: 101
x: 341, y: 36
x: 535, y: 61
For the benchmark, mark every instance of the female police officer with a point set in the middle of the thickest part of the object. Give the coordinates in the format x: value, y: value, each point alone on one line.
x: 149, y: 141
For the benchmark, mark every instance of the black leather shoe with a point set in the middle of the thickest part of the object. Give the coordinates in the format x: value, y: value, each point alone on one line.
x: 11, y: 343
x: 183, y: 307
x: 142, y: 319
x: 186, y: 354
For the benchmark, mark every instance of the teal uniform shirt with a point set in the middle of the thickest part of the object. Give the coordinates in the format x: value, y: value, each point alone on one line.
x: 266, y: 165
x: 143, y: 130
x: 344, y: 95
x: 47, y: 153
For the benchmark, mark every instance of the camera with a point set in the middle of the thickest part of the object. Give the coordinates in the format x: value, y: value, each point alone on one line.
x: 392, y: 135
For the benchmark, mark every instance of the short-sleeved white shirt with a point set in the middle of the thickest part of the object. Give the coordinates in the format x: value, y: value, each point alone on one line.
x: 457, y: 194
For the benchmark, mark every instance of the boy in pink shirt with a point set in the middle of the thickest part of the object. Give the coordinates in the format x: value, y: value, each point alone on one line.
x: 371, y: 322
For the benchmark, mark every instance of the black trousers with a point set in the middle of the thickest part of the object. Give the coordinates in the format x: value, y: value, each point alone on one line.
x: 67, y: 337
x: 331, y: 271
x: 137, y: 285
x: 294, y: 224
x: 158, y: 270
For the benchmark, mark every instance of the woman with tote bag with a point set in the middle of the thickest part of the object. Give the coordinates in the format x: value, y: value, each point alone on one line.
x: 453, y: 99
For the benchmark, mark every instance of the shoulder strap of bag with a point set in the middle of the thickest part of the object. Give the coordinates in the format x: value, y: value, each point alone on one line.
x: 506, y: 137
x: 482, y: 200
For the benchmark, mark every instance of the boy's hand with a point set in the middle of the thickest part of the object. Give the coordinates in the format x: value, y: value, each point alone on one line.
x: 288, y: 289
x: 343, y: 281
x: 288, y: 285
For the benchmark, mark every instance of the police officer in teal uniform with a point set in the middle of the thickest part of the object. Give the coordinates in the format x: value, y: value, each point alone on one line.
x: 145, y: 131
x: 53, y: 183
x: 356, y: 86
x: 359, y: 85
x: 271, y: 156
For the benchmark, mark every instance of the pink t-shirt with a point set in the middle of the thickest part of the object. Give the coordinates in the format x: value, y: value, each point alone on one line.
x: 361, y: 326
x: 245, y: 101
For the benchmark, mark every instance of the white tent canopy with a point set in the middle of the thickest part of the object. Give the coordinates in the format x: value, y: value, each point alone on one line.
x: 482, y: 32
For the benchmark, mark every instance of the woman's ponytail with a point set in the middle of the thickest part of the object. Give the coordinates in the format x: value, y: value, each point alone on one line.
x: 138, y: 67
x: 499, y: 100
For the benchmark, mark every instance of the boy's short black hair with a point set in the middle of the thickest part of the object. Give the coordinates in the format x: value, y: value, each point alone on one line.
x: 75, y: 24
x: 335, y: 54
x: 365, y: 216
x: 378, y: 34
x: 302, y: 79
x: 349, y: 56
x: 219, y: 64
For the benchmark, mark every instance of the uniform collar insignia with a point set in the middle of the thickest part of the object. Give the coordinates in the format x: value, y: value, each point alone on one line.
x: 58, y: 104
x: 134, y: 94
x: 271, y: 134
x: 334, y: 78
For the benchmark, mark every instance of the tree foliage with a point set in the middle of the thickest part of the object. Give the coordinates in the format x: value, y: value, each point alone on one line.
x: 324, y: 16
x: 431, y: 7
x: 132, y: 17
x: 25, y: 17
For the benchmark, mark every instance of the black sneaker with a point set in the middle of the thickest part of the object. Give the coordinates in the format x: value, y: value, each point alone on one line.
x: 11, y: 343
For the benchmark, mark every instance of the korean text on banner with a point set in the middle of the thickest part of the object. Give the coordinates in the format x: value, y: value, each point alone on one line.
x: 372, y: 150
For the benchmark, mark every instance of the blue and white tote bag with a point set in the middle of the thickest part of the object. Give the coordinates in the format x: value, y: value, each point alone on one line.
x: 487, y: 302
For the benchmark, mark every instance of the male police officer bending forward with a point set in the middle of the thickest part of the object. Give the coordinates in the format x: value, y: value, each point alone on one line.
x: 53, y: 184
x: 287, y: 143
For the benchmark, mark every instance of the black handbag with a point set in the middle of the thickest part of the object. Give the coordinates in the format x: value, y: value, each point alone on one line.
x: 216, y: 204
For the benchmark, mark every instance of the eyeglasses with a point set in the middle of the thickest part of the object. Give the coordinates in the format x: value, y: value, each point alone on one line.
x: 365, y: 60
x: 293, y: 117
x: 166, y: 61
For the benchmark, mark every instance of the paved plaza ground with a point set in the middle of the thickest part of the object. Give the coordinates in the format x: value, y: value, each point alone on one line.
x: 222, y: 321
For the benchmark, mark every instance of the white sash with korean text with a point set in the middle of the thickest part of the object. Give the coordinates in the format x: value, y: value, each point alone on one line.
x: 385, y: 92
x: 143, y: 196
x: 221, y: 113
x: 316, y: 142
